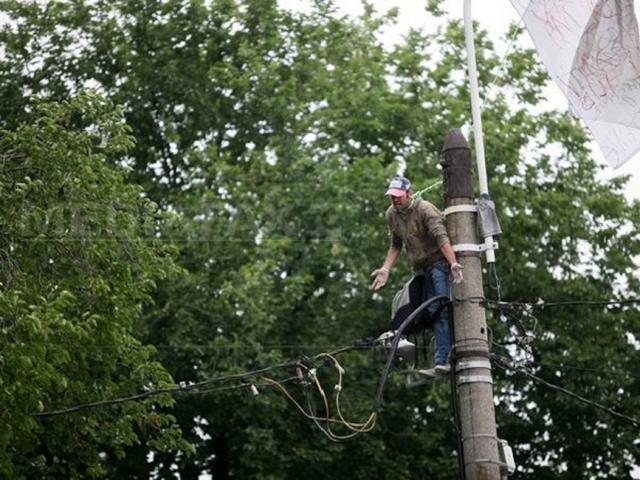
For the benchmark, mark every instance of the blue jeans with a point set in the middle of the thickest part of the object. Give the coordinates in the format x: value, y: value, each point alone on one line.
x: 438, y: 283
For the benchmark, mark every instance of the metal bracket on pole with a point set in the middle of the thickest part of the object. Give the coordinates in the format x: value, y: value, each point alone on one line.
x: 475, y: 379
x: 469, y: 353
x: 476, y: 248
x: 488, y: 460
x: 479, y: 435
x: 460, y: 209
x: 473, y: 364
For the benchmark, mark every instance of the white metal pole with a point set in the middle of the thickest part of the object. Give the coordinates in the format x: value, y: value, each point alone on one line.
x: 475, y: 97
x: 475, y: 112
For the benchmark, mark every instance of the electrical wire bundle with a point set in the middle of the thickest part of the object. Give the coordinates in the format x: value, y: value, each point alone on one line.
x: 515, y: 313
x: 308, y: 377
x: 306, y: 372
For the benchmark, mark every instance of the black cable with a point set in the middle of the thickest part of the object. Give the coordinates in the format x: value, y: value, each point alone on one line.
x: 454, y: 404
x: 241, y: 386
x: 262, y: 347
x: 562, y: 366
x: 180, y: 388
x: 394, y: 347
x: 504, y: 305
x: 187, y: 388
x: 106, y: 403
x: 508, y: 365
x: 494, y: 280
x: 523, y: 336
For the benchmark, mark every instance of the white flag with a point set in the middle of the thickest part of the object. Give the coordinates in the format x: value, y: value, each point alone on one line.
x: 592, y: 51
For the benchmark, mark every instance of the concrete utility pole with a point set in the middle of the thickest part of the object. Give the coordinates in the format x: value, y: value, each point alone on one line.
x: 471, y: 347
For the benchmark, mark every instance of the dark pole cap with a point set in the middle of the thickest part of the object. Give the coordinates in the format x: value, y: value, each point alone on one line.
x: 456, y: 166
x: 455, y: 140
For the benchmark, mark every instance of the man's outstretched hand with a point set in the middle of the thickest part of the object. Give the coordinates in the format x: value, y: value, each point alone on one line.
x: 456, y: 273
x: 380, y: 277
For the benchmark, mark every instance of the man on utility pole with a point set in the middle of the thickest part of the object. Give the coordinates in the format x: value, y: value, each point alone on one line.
x: 416, y: 225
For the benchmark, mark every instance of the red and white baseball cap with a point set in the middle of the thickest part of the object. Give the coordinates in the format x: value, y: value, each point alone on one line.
x: 398, y: 186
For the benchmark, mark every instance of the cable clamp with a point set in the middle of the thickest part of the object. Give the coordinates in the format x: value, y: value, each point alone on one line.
x: 502, y: 465
x: 475, y: 379
x: 460, y: 209
x: 459, y: 354
x: 473, y: 364
x: 506, y: 463
x: 479, y: 435
x: 480, y: 300
x: 473, y: 247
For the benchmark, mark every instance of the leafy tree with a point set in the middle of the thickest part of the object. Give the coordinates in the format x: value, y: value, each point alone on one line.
x: 78, y: 264
x: 270, y: 136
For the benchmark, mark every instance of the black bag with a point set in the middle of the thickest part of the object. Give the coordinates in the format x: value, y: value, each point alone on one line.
x: 410, y: 297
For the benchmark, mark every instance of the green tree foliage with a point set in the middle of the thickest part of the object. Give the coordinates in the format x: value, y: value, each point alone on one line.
x: 270, y: 136
x: 78, y: 264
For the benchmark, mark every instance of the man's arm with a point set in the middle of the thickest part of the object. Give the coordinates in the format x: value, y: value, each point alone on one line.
x: 435, y: 227
x: 392, y: 256
x: 381, y: 275
x: 450, y: 255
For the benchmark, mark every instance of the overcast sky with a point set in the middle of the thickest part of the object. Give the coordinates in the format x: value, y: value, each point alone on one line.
x: 493, y: 15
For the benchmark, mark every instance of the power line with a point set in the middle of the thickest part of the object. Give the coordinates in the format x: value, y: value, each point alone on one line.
x: 201, y: 387
x: 183, y: 387
x: 505, y: 305
x: 563, y: 366
x: 255, y: 240
x: 196, y: 387
x: 241, y: 386
x: 204, y: 346
x: 565, y: 303
x: 174, y: 389
x: 506, y: 364
x: 302, y: 365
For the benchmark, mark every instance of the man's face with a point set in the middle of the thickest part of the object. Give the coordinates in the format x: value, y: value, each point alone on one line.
x: 401, y: 202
